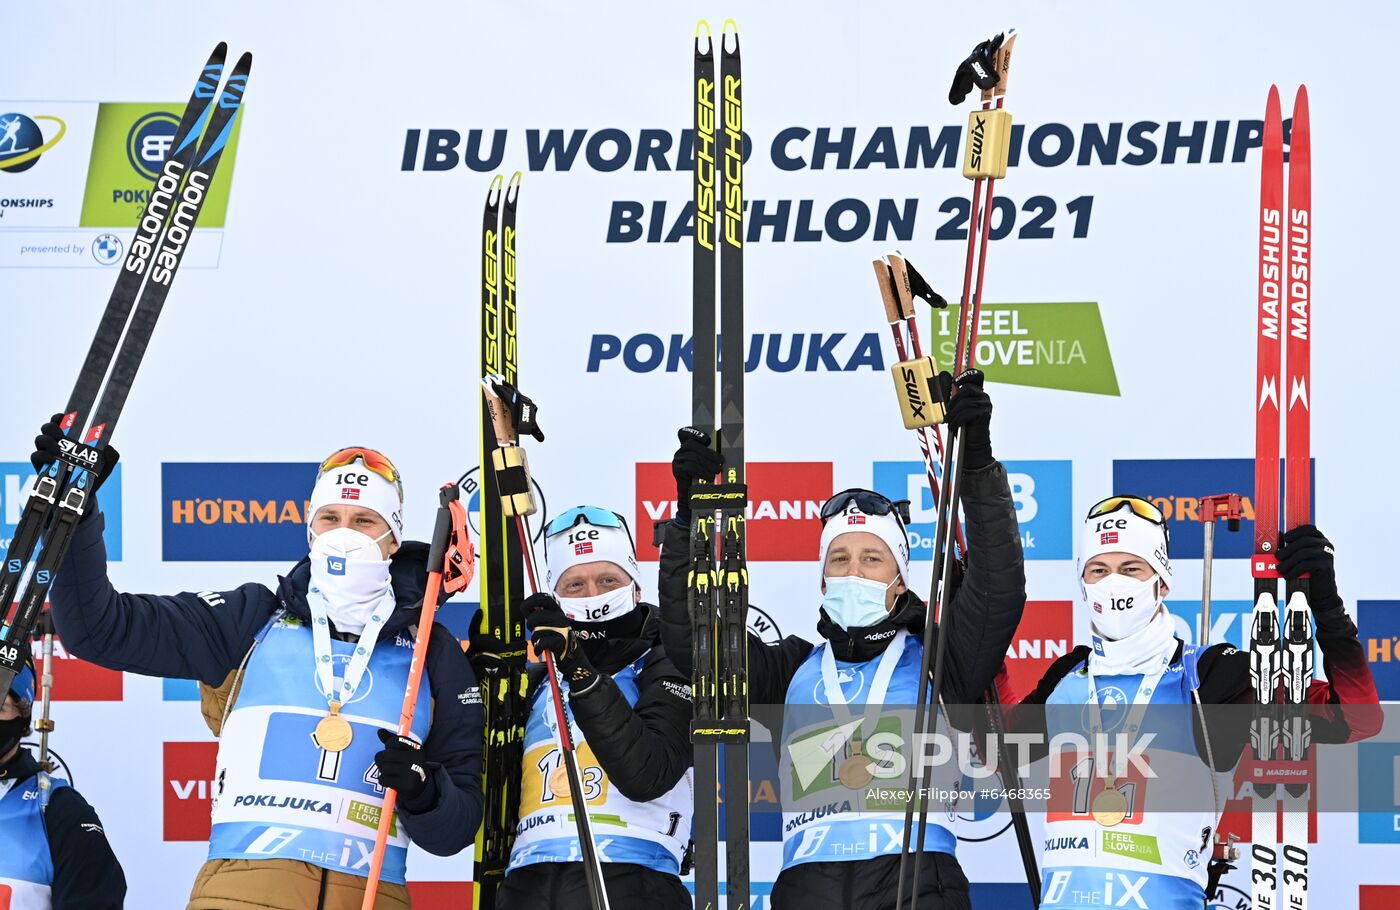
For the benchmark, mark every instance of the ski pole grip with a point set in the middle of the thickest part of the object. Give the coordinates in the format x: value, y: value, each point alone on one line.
x: 913, y: 387
x: 442, y: 533
x: 988, y: 144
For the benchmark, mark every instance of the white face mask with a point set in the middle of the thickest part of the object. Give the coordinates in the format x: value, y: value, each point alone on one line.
x: 599, y: 607
x: 1122, y: 606
x: 854, y: 602
x: 351, y: 574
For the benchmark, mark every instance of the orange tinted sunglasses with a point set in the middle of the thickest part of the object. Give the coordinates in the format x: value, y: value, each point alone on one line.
x: 374, y: 461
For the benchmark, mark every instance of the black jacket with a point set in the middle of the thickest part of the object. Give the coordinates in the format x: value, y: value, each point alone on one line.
x: 982, y: 618
x: 86, y: 873
x: 204, y: 636
x: 644, y: 749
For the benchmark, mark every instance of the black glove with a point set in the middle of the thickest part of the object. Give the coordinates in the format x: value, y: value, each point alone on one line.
x: 978, y: 69
x: 971, y: 412
x: 1304, y: 549
x: 402, y: 767
x: 552, y: 631
x: 46, y: 449
x: 695, y: 460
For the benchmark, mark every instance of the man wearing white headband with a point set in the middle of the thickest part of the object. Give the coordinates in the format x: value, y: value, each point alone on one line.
x: 630, y: 710
x: 871, y: 623
x: 322, y: 660
x: 1135, y: 661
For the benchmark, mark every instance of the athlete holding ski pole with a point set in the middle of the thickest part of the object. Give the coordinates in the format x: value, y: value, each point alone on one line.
x: 304, y: 687
x: 631, y: 709
x: 872, y: 624
x: 1136, y: 661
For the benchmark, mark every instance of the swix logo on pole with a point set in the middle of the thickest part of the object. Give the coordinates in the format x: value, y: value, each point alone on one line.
x: 784, y: 513
x: 188, y: 789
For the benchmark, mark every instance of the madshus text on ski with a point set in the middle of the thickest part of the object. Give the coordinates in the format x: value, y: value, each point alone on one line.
x: 585, y: 743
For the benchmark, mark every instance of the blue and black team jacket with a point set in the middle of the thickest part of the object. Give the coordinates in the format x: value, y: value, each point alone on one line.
x: 204, y: 636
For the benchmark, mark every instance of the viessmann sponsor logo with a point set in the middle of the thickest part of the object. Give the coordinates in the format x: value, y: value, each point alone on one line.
x: 188, y: 791
x: 1177, y: 486
x: 784, y: 513
x: 235, y: 511
x: 1046, y: 632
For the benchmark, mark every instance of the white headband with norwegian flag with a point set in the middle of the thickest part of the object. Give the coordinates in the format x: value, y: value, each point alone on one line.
x: 356, y: 485
x: 1121, y: 531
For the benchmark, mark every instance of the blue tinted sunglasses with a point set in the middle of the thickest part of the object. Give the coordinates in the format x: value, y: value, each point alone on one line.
x: 593, y: 515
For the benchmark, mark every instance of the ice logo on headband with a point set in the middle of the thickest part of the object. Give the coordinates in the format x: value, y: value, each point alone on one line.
x: 335, y: 565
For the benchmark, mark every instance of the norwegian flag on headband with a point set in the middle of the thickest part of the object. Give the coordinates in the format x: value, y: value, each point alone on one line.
x: 1108, y: 537
x: 855, y: 518
x: 349, y: 492
x: 582, y: 548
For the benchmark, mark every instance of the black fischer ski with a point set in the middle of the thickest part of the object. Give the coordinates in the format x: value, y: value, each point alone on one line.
x: 62, y: 491
x: 498, y: 637
x: 719, y: 579
x: 701, y: 581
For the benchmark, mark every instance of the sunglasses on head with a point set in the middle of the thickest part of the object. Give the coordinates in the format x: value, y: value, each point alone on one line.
x: 1140, y: 507
x: 867, y: 501
x: 372, y: 460
x: 593, y: 515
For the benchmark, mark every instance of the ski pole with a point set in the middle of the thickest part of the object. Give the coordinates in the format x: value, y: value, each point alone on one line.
x: 1229, y: 506
x: 442, y: 534
x: 44, y: 725
x: 512, y: 412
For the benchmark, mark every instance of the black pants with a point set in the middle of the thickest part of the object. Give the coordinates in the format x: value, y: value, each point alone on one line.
x: 562, y: 886
x: 871, y: 884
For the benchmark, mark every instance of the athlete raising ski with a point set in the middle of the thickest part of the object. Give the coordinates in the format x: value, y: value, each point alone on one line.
x: 872, y: 622
x: 1094, y: 844
x: 304, y: 687
x: 631, y: 708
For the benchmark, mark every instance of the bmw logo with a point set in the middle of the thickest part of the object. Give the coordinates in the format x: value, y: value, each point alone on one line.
x: 107, y: 249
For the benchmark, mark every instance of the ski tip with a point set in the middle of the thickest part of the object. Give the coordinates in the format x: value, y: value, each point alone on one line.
x: 730, y: 27
x: 703, y: 26
x: 513, y: 187
x: 219, y: 55
x: 497, y: 182
x: 1273, y: 95
x: 1300, y: 101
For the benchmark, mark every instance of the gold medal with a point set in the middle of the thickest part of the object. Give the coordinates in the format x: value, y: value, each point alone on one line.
x: 1110, y: 807
x: 559, y: 782
x: 855, y: 771
x: 333, y: 732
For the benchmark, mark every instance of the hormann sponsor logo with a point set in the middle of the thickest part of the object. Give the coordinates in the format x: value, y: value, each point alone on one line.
x: 1177, y: 486
x: 217, y: 511
x: 1378, y: 624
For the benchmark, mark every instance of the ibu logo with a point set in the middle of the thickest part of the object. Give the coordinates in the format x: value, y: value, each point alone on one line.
x: 335, y: 565
x: 149, y: 141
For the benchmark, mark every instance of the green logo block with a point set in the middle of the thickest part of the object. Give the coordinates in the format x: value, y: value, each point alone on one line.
x: 1141, y: 847
x: 130, y: 144
x: 368, y: 815
x: 1046, y: 345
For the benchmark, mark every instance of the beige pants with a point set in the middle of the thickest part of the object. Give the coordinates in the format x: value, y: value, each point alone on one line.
x: 284, y: 884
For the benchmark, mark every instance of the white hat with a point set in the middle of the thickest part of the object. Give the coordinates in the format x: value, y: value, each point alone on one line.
x: 583, y: 542
x: 885, y: 527
x: 356, y: 485
x: 1123, y: 531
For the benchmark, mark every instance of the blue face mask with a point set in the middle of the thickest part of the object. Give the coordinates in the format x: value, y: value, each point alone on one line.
x: 854, y: 602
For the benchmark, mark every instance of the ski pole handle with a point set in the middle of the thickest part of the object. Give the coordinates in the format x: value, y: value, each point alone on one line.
x: 441, y: 532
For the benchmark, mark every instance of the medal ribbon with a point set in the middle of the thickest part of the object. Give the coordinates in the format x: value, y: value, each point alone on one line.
x: 879, y: 686
x: 364, y: 648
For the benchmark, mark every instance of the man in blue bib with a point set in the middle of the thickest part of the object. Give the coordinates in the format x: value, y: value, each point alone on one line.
x: 55, y: 857
x: 843, y: 853
x: 304, y: 686
x: 629, y: 711
x: 1116, y: 835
